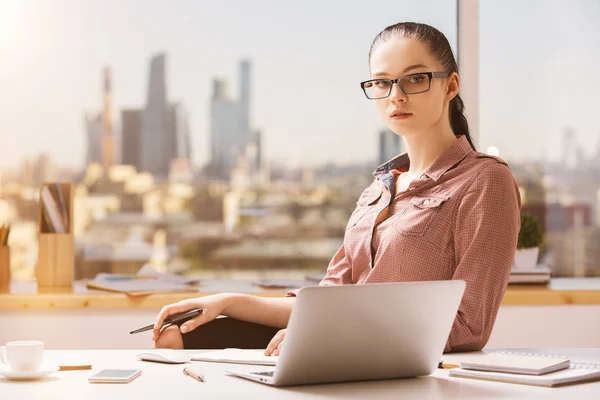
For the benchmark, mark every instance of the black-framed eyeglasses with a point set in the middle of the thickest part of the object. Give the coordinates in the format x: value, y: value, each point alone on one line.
x: 419, y: 82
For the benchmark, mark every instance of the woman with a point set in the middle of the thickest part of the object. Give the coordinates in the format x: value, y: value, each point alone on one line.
x: 440, y: 211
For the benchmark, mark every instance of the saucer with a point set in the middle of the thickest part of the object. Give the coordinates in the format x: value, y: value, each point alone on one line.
x: 27, y: 375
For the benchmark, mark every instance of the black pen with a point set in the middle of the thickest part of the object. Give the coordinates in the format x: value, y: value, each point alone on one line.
x: 172, y: 319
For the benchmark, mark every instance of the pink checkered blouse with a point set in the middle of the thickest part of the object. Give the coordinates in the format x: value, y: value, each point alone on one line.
x: 459, y: 220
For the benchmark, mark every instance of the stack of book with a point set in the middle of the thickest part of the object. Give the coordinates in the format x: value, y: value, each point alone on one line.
x: 526, y: 369
x: 147, y: 281
x: 309, y: 280
x: 54, y: 209
x: 539, y: 275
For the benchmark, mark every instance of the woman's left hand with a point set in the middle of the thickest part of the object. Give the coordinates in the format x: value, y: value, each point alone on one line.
x: 274, y: 347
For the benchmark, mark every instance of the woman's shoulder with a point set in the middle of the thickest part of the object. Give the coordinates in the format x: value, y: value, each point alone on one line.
x: 488, y: 171
x: 482, y: 165
x: 481, y: 159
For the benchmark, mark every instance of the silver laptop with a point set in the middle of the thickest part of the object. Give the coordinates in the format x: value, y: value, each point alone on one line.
x: 364, y: 332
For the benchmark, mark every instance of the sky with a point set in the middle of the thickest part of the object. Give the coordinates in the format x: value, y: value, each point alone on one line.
x: 538, y: 76
x: 538, y: 61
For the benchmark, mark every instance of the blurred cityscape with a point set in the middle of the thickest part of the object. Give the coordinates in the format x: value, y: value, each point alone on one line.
x: 139, y: 199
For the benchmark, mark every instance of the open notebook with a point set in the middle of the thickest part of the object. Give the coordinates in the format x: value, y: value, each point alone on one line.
x: 521, y: 367
x: 236, y: 356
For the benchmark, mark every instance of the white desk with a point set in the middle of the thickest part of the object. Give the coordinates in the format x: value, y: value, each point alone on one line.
x: 167, y: 381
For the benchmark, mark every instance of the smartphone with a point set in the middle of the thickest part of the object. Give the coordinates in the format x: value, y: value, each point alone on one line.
x: 115, y: 376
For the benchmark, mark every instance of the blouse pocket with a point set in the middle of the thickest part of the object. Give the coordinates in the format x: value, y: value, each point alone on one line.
x: 363, y: 205
x: 416, y: 217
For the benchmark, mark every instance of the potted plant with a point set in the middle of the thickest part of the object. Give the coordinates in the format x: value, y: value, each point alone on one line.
x: 531, y: 237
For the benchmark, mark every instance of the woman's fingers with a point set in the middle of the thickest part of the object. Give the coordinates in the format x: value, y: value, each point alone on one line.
x: 279, y: 347
x: 166, y: 311
x: 195, y: 322
x: 277, y: 339
x: 170, y: 338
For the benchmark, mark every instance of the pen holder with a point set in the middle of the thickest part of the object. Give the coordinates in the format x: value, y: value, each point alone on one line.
x: 55, y: 261
x: 56, y: 258
x: 4, y: 269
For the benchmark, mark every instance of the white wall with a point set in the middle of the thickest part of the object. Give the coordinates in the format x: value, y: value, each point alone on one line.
x: 547, y: 326
x: 516, y: 326
x: 78, y: 328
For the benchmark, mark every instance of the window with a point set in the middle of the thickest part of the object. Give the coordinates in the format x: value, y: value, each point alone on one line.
x: 538, y: 107
x: 220, y: 139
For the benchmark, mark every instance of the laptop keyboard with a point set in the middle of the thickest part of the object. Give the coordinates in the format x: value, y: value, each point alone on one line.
x: 266, y: 373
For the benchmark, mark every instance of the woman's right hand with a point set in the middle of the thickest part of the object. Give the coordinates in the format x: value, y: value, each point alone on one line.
x: 212, y: 307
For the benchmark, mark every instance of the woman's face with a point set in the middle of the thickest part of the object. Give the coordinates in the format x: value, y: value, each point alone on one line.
x: 424, y: 111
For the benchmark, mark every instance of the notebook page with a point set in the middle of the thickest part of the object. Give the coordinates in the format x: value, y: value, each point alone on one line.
x: 236, y: 356
x: 565, y: 376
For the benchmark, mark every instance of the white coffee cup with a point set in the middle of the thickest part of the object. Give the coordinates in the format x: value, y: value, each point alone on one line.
x: 23, y: 355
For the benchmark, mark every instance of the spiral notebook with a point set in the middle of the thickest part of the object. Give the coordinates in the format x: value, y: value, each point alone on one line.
x: 517, y: 363
x: 573, y: 373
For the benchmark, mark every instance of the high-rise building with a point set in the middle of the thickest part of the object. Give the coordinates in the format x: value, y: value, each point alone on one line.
x: 165, y: 132
x: 131, y: 136
x: 180, y: 168
x: 108, y: 139
x: 244, y: 118
x: 390, y: 145
x: 226, y: 143
x: 259, y: 150
x: 94, y: 132
x: 179, y: 132
x: 230, y: 124
x: 99, y: 128
x: 155, y: 122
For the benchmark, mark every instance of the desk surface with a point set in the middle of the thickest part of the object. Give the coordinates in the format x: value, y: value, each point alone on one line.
x: 24, y: 295
x: 167, y: 381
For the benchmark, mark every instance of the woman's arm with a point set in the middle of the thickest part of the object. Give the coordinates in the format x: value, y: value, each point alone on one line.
x: 270, y: 311
x: 486, y: 230
x: 273, y: 312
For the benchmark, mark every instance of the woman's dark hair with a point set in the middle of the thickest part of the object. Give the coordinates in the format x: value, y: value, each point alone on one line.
x: 441, y: 51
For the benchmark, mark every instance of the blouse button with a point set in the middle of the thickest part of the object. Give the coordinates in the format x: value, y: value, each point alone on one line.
x: 426, y: 202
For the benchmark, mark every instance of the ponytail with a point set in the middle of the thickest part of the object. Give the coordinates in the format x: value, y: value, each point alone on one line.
x: 458, y: 121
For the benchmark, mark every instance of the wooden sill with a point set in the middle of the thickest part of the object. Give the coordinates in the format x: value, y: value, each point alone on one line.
x: 25, y: 296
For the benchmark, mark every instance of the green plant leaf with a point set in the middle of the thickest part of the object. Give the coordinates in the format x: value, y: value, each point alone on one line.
x: 531, y: 233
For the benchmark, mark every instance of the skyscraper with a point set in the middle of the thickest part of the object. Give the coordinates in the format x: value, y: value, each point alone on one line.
x: 155, y: 122
x: 244, y: 118
x: 225, y: 133
x: 131, y: 133
x: 165, y: 131
x: 230, y: 124
x: 99, y: 128
x: 94, y: 132
x: 390, y: 145
x: 108, y: 140
x: 179, y: 132
x: 159, y: 133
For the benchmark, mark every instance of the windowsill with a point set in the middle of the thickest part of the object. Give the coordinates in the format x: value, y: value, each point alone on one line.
x: 24, y: 295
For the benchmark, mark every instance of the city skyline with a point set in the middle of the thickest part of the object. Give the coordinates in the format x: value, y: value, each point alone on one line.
x: 51, y: 76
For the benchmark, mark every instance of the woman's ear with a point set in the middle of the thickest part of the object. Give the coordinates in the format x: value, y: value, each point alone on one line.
x: 453, y: 86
